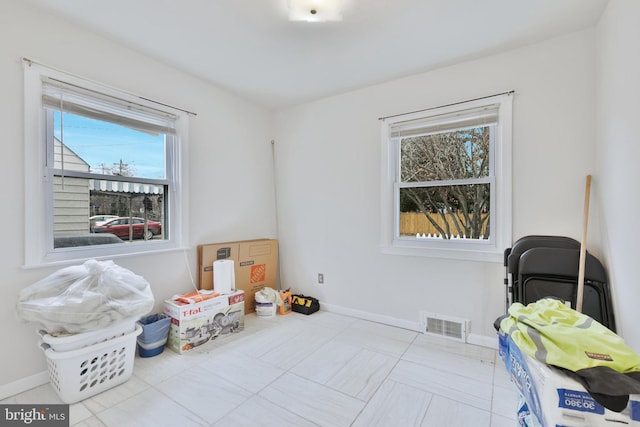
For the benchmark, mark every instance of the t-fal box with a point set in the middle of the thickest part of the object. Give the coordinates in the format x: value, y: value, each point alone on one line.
x: 552, y: 398
x: 255, y: 264
x: 196, y: 323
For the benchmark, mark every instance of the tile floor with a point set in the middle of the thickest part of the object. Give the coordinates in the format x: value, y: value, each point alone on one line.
x: 320, y: 370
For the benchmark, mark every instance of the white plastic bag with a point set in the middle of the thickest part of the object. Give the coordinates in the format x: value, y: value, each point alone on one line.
x: 268, y: 295
x: 85, y: 298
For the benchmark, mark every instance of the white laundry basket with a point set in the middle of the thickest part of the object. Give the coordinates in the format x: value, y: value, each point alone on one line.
x: 87, y: 371
x: 76, y: 341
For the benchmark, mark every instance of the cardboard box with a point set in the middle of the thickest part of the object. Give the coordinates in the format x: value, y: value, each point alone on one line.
x: 552, y: 398
x: 198, y: 323
x: 255, y: 265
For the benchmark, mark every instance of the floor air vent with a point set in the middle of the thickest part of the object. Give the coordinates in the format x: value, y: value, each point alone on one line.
x: 444, y: 326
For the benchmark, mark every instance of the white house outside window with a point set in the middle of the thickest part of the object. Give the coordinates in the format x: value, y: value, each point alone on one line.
x: 103, y: 172
x: 447, y: 185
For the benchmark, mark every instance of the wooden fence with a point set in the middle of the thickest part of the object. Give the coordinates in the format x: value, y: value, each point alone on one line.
x: 412, y: 223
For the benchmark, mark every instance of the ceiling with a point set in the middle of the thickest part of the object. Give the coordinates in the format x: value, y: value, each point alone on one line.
x: 251, y: 48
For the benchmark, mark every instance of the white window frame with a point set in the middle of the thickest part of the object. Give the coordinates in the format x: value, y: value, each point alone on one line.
x: 39, y: 250
x: 500, y: 179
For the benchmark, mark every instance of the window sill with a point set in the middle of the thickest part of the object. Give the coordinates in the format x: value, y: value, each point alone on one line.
x: 78, y: 255
x: 456, y: 254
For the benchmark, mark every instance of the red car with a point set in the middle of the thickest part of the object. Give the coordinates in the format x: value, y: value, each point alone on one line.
x: 120, y: 227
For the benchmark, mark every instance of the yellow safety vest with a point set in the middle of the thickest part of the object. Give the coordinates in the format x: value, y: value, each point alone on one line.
x: 557, y: 335
x: 553, y: 333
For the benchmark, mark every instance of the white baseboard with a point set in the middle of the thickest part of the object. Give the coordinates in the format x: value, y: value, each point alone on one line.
x: 483, y: 341
x: 23, y: 384
x: 475, y: 339
x: 379, y: 318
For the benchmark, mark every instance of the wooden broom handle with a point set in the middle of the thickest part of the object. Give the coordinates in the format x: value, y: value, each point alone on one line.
x: 583, y: 247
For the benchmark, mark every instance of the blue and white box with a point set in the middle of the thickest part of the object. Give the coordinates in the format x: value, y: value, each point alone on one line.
x: 549, y: 398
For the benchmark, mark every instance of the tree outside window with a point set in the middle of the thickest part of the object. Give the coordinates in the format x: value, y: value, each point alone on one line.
x: 426, y: 162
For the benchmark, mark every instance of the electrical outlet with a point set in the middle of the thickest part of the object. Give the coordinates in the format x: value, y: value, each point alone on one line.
x: 320, y: 278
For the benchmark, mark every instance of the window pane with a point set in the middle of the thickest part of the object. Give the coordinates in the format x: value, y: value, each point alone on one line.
x: 445, y: 212
x: 460, y: 154
x: 96, y: 211
x: 91, y: 209
x: 101, y: 147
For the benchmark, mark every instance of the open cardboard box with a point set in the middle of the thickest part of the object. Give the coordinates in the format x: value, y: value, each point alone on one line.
x: 255, y: 265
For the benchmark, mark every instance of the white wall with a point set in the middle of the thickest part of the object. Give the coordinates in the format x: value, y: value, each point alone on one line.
x: 230, y: 168
x: 328, y: 180
x: 618, y: 152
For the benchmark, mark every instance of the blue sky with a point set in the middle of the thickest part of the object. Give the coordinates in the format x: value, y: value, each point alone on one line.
x: 98, y: 142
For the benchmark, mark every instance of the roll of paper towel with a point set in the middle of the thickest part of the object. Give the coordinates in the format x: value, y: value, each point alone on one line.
x: 224, y: 277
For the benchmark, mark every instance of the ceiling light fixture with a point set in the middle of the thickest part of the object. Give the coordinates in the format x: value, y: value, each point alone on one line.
x: 315, y: 10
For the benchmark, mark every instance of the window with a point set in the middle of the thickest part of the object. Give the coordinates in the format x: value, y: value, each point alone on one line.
x: 447, y: 186
x: 103, y: 170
